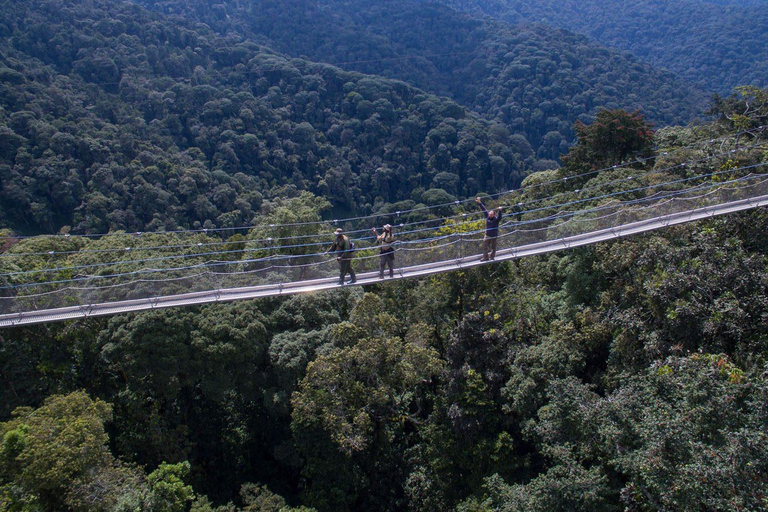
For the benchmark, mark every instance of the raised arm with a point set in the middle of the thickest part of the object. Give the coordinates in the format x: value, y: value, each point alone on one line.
x: 482, y: 206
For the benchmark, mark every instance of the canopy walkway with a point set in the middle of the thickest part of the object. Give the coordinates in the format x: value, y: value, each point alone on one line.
x: 109, y: 279
x: 371, y: 277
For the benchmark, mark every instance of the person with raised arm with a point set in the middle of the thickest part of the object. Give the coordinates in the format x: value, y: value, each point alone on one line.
x: 492, y: 220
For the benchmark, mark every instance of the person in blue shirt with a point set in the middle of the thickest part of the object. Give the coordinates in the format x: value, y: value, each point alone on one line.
x: 492, y: 220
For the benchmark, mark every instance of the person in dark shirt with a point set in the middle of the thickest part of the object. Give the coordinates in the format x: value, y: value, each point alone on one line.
x: 343, y: 248
x: 492, y: 220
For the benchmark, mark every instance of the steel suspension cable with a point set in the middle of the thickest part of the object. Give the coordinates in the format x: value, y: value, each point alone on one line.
x: 377, y: 215
x: 269, y: 245
x: 274, y: 258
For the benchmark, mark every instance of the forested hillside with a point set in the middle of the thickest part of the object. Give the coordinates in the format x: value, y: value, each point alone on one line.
x: 114, y: 118
x: 537, y: 81
x: 148, y: 122
x: 718, y: 45
x: 629, y: 374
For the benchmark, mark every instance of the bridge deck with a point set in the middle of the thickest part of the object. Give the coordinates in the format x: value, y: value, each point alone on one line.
x: 367, y: 278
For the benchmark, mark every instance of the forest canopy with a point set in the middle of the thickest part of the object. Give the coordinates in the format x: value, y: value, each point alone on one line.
x: 624, y: 375
x: 719, y: 39
x: 627, y: 374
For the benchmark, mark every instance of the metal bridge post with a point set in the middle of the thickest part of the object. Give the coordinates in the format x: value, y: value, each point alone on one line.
x: 460, y: 260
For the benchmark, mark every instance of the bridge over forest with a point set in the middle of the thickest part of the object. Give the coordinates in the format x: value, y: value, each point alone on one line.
x: 81, y: 276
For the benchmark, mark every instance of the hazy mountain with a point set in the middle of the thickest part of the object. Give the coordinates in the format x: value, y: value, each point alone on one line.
x: 719, y: 45
x: 537, y: 80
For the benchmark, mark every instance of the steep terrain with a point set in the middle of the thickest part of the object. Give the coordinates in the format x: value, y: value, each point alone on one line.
x: 148, y: 121
x: 537, y: 81
x: 628, y: 375
x: 623, y: 375
x: 718, y: 45
x: 116, y: 118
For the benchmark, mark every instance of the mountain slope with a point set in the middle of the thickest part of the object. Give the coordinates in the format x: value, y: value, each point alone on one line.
x: 117, y: 118
x: 537, y: 80
x: 716, y: 46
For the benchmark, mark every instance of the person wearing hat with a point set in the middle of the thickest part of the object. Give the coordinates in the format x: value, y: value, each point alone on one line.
x: 343, y: 247
x: 492, y: 220
x: 387, y: 258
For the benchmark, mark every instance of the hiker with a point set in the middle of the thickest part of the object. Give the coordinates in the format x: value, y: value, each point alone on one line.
x: 387, y: 257
x: 492, y: 220
x: 344, y: 248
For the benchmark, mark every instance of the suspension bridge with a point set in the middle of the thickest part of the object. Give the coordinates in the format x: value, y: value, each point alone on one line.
x: 99, y: 280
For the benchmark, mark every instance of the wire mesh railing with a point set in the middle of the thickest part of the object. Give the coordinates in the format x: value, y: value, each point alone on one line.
x: 444, y: 244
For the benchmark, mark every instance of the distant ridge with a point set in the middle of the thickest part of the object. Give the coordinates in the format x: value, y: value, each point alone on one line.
x: 717, y: 44
x: 536, y: 80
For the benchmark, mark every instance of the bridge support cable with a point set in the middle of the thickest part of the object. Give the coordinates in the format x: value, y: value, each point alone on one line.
x: 413, y: 259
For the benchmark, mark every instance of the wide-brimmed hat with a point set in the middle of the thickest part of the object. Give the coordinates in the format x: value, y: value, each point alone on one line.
x: 338, y: 231
x: 387, y: 227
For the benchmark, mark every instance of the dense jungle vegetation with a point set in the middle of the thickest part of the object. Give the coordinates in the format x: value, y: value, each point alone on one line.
x: 148, y: 122
x: 537, y: 81
x: 114, y: 118
x: 715, y: 44
x: 628, y: 375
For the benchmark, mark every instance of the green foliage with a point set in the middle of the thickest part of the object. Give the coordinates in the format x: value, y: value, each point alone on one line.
x: 697, y: 448
x: 258, y: 498
x: 290, y: 217
x: 355, y: 403
x: 56, y: 457
x: 166, y: 351
x: 203, y: 504
x: 626, y: 375
x: 159, y: 151
x: 535, y: 82
x: 564, y: 487
x: 716, y: 38
x: 167, y: 483
x: 186, y: 376
x: 54, y: 445
x: 615, y: 137
x: 374, y: 387
x: 745, y: 109
x: 115, y: 487
x: 679, y: 435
